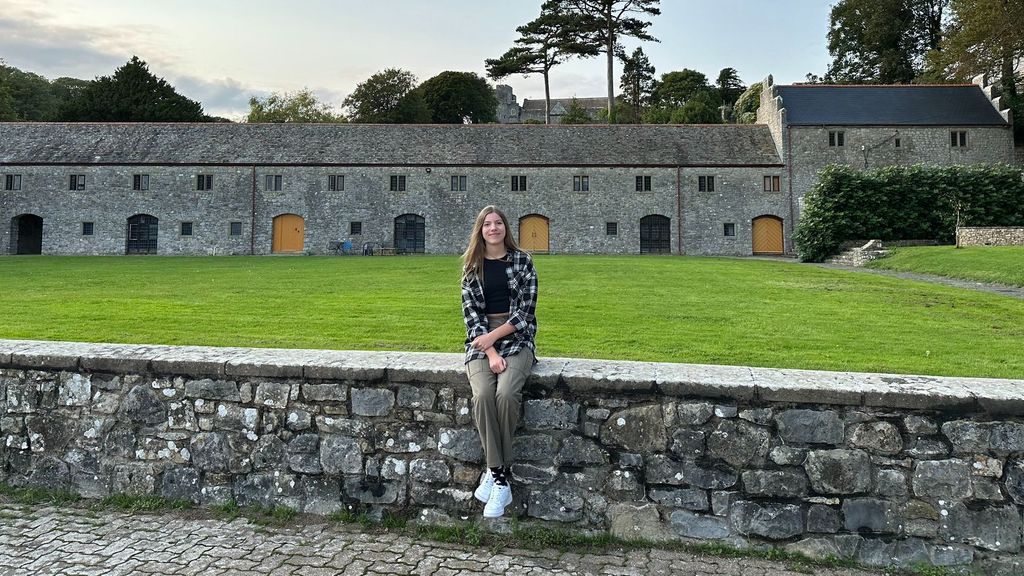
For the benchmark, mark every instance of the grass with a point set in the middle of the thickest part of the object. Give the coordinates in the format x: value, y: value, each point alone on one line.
x: 147, y: 503
x: 665, y: 309
x: 994, y: 264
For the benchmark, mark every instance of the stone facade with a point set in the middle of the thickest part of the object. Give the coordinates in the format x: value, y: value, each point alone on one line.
x: 883, y: 469
x: 511, y: 112
x: 236, y: 216
x: 990, y: 236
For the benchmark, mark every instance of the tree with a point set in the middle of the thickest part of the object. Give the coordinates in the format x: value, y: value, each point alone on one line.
x: 985, y: 36
x: 132, y: 94
x: 302, y: 106
x: 871, y: 41
x: 637, y: 82
x: 702, y: 108
x: 543, y: 44
x: 576, y: 114
x: 603, y: 22
x: 459, y: 98
x: 745, y: 109
x: 388, y: 97
x: 25, y: 96
x: 729, y: 88
x: 678, y: 86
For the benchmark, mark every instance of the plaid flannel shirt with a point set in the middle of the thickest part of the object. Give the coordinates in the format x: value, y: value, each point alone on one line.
x: 522, y: 285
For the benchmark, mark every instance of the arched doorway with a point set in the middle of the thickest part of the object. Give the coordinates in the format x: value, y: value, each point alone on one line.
x: 142, y: 234
x: 289, y: 234
x: 533, y: 233
x: 767, y: 235
x: 655, y: 234
x: 410, y: 234
x: 27, y: 234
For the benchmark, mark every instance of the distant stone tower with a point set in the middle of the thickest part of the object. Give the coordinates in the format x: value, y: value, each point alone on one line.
x: 508, y: 108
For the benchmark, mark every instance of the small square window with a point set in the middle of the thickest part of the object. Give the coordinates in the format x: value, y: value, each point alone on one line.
x: 958, y: 139
x: 519, y: 183
x: 772, y: 183
x: 398, y: 183
x: 12, y: 182
x: 355, y: 228
x: 643, y: 183
x: 896, y: 143
x: 186, y: 228
x: 77, y: 182
x: 581, y: 183
x: 730, y: 229
x: 705, y: 183
x: 336, y: 183
x: 273, y: 182
x: 140, y: 182
x: 204, y: 182
x: 836, y: 138
x: 611, y: 228
x: 458, y: 183
x: 235, y: 229
x: 87, y: 228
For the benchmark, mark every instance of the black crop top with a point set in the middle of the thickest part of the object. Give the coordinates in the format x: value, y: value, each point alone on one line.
x: 496, y: 293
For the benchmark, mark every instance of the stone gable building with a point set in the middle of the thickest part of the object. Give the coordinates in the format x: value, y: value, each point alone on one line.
x: 532, y: 110
x: 111, y: 188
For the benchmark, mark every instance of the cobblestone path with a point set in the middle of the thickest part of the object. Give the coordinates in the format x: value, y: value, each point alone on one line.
x: 68, y: 541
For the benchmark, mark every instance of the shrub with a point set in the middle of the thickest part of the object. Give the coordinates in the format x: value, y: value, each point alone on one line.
x: 905, y: 203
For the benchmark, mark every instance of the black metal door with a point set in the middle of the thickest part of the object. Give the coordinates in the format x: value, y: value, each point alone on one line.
x: 655, y: 235
x: 142, y: 234
x: 29, y: 234
x: 410, y: 234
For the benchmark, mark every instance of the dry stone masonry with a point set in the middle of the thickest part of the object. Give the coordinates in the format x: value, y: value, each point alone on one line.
x: 990, y: 236
x: 880, y: 468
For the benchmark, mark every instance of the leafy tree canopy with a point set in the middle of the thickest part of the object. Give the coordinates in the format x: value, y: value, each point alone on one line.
x: 729, y: 86
x: 676, y: 87
x: 745, y: 109
x: 388, y: 97
x: 25, y: 96
x: 131, y: 94
x: 302, y: 106
x: 459, y: 97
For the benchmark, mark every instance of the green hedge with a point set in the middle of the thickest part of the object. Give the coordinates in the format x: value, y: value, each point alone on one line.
x: 905, y: 203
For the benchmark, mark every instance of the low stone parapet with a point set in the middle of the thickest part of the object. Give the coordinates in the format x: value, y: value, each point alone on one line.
x: 884, y: 469
x: 990, y: 236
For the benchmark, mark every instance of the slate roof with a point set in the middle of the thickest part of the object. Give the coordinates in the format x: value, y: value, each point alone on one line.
x: 386, y: 145
x: 537, y: 104
x: 903, y: 105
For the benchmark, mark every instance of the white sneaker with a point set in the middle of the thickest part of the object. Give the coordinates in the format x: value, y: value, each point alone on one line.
x: 483, y: 491
x: 501, y: 496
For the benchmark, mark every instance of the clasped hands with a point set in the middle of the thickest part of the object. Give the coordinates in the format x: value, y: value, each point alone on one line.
x: 485, y: 344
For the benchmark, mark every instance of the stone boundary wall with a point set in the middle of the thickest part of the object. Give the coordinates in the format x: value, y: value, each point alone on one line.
x: 885, y: 469
x: 990, y: 236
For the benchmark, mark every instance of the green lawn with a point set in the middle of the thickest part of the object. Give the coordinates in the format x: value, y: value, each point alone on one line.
x: 671, y: 309
x: 998, y: 264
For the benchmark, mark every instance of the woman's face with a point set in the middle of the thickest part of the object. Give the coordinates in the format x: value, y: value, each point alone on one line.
x: 494, y: 229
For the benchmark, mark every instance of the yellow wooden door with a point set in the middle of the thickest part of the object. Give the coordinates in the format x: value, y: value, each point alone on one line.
x: 289, y: 234
x: 533, y: 233
x: 767, y: 233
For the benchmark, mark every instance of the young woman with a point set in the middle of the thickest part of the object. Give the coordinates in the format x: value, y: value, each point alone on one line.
x: 499, y: 297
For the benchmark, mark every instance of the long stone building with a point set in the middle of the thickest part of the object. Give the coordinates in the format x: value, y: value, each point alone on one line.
x: 111, y: 188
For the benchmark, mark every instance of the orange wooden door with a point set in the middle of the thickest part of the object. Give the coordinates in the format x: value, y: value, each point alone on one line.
x: 533, y: 233
x: 767, y: 233
x: 289, y: 234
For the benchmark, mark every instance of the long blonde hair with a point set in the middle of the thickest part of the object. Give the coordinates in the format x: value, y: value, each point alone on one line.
x: 473, y: 257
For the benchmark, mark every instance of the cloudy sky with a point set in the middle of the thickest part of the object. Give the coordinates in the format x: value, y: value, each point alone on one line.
x: 221, y: 52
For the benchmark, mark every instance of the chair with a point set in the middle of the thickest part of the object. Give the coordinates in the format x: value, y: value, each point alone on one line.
x: 334, y: 247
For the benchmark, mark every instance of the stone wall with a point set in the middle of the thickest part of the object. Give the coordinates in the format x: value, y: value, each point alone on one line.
x: 880, y: 468
x: 990, y: 236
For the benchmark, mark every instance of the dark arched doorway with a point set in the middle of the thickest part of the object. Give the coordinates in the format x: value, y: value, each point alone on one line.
x: 410, y: 234
x: 655, y: 234
x: 142, y: 234
x: 27, y: 234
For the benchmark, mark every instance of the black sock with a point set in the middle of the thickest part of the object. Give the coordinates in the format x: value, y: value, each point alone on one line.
x: 499, y: 476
